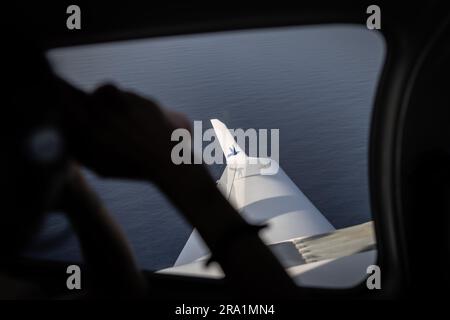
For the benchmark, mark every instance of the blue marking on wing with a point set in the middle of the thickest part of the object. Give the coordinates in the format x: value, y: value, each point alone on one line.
x: 233, y: 152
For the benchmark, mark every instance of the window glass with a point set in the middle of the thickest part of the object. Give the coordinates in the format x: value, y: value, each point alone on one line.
x: 316, y: 85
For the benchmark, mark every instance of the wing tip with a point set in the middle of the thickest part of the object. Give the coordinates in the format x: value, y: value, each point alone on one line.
x: 216, y: 122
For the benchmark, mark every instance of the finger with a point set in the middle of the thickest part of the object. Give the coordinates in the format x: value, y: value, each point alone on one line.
x: 178, y: 119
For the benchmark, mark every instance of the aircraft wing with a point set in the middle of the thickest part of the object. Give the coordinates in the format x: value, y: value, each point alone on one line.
x: 261, y: 198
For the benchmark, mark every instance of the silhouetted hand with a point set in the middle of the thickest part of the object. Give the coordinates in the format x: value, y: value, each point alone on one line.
x: 120, y: 134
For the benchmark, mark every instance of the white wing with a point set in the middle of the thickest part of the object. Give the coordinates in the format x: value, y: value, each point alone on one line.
x: 311, y: 250
x: 231, y: 149
x: 272, y: 199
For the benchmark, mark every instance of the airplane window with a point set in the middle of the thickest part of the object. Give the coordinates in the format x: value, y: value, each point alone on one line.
x: 313, y: 85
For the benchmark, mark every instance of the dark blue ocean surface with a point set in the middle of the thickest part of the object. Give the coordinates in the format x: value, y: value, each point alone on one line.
x: 315, y: 84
